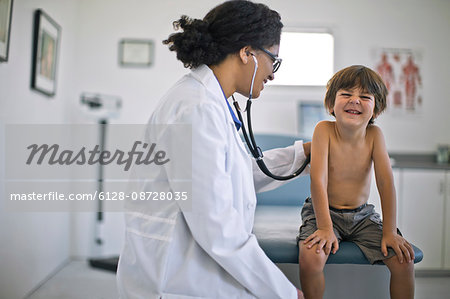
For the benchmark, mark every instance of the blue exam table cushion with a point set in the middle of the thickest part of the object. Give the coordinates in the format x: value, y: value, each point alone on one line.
x: 276, y: 228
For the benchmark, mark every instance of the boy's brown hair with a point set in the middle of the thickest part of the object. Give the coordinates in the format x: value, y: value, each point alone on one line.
x: 358, y: 76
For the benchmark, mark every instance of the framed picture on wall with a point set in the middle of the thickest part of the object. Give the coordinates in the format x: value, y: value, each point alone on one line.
x: 47, y: 34
x: 136, y: 52
x: 5, y: 28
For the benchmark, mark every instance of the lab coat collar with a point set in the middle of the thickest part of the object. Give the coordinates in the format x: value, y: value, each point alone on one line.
x: 205, y: 75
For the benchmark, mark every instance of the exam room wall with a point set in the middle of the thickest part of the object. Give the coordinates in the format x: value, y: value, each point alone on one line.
x: 359, y: 28
x: 33, y: 245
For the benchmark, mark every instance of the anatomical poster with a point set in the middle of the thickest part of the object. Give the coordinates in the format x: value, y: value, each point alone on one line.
x: 401, y: 71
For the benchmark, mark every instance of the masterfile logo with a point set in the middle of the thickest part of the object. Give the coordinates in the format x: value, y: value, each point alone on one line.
x: 54, y: 156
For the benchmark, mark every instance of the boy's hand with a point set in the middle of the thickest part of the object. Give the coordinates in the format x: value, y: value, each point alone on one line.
x: 402, y: 248
x: 307, y: 148
x: 325, y: 239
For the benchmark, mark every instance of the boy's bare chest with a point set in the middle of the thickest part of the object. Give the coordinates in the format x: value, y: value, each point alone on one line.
x: 349, y: 162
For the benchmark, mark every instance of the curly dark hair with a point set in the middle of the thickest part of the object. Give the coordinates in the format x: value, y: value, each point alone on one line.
x: 226, y: 29
x: 358, y: 76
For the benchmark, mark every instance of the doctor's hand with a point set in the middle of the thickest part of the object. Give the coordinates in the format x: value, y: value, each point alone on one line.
x: 307, y: 148
x: 325, y: 239
x: 300, y: 294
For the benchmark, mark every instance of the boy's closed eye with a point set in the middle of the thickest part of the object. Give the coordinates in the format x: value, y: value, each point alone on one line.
x: 346, y: 94
x: 367, y: 97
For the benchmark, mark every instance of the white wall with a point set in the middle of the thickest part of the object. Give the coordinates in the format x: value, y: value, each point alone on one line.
x: 359, y: 27
x: 33, y: 245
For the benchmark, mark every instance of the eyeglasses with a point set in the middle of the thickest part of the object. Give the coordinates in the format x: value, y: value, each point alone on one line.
x: 275, y: 59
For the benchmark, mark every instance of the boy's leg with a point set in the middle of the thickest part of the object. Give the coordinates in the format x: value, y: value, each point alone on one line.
x: 311, y: 264
x: 367, y: 233
x: 402, y: 278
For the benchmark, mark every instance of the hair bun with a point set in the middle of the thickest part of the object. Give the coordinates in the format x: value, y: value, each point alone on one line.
x: 195, y: 44
x: 186, y: 23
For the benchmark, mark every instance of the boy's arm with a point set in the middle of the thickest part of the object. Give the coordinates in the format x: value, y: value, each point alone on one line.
x: 386, y: 189
x: 324, y: 235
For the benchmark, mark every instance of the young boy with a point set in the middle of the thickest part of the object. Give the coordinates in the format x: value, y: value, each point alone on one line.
x: 342, y: 154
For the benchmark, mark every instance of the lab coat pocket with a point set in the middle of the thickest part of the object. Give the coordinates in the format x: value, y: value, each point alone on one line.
x: 149, y: 234
x: 150, y: 226
x: 143, y: 260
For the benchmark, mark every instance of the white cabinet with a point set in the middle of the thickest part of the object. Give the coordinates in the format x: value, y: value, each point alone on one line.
x: 447, y: 223
x: 422, y: 213
x: 374, y: 197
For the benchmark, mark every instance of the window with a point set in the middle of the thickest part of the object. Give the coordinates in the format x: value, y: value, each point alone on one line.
x: 309, y: 114
x: 307, y: 59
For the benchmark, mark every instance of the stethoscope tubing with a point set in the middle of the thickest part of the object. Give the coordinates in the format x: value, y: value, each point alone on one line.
x: 254, y: 149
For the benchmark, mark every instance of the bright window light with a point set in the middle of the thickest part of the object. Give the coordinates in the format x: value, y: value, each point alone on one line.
x: 307, y: 59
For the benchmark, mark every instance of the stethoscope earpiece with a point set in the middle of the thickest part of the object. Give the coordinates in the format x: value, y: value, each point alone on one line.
x: 253, y: 77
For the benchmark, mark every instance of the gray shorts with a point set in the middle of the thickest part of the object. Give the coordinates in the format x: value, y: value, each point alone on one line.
x: 362, y: 226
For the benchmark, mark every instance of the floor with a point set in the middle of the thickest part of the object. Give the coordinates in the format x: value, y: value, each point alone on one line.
x: 77, y: 280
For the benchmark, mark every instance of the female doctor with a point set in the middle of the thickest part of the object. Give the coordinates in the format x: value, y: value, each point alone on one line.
x: 208, y: 250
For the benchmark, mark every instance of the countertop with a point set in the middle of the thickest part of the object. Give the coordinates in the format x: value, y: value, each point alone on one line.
x: 420, y: 161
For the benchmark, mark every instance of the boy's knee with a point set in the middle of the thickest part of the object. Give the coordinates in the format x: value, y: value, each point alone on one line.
x: 310, y: 261
x: 399, y: 268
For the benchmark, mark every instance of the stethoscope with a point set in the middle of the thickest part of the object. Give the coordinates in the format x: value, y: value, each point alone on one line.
x: 251, y: 144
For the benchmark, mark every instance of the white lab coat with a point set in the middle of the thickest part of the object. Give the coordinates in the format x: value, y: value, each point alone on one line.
x: 208, y: 250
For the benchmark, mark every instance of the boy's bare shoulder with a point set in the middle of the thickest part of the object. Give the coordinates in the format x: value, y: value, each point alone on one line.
x: 374, y: 131
x: 325, y: 125
x: 323, y: 128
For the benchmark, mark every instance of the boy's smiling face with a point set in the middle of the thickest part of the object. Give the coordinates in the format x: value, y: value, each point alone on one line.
x: 353, y: 107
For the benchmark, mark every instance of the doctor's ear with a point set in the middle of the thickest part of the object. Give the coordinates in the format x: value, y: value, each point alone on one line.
x: 244, y: 54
